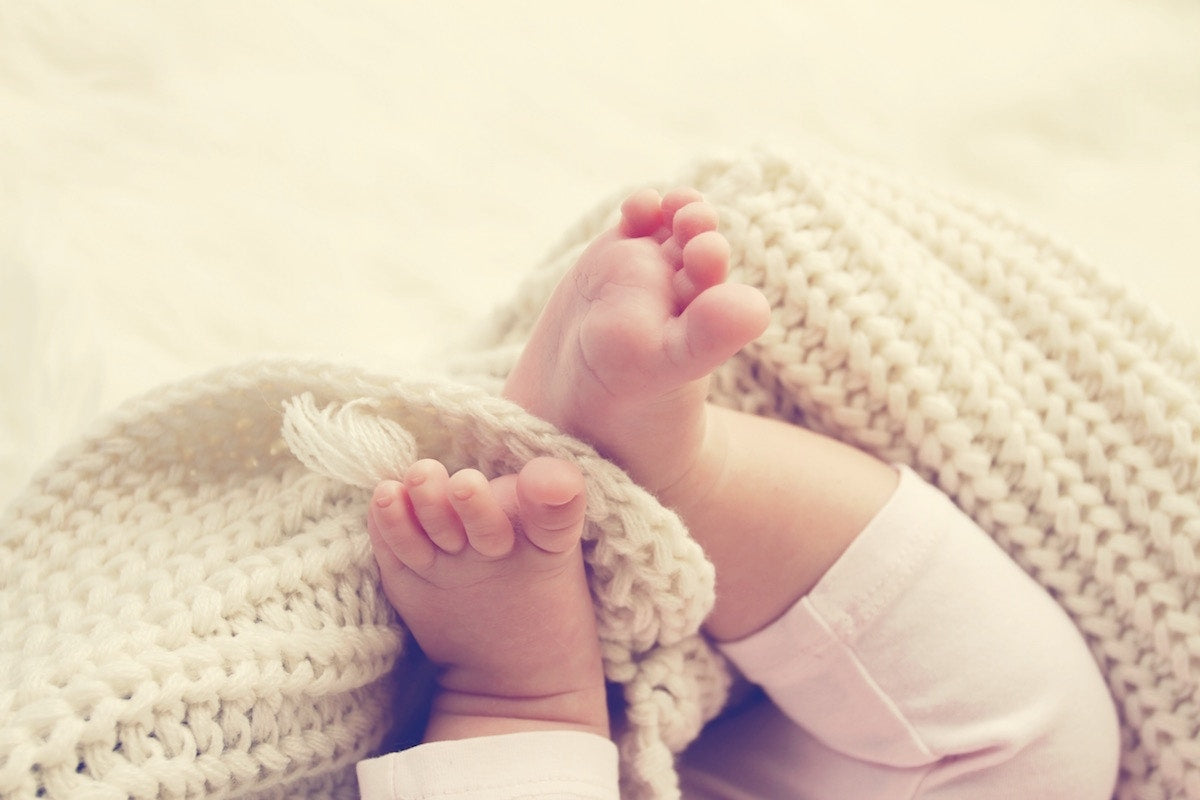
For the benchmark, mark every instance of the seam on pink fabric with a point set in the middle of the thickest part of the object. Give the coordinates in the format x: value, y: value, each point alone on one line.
x: 891, y: 705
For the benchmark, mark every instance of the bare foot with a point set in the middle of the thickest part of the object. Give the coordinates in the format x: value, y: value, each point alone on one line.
x: 489, y: 578
x: 621, y: 354
x: 620, y: 357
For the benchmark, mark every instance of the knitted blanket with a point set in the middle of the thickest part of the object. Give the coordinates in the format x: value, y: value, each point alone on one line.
x: 189, y: 605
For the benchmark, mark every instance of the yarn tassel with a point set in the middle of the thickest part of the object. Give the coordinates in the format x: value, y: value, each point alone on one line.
x: 347, y: 442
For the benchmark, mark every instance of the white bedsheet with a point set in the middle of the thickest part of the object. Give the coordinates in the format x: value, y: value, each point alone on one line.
x: 183, y: 186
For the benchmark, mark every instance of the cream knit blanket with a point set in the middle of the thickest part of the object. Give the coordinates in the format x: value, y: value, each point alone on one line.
x: 188, y: 605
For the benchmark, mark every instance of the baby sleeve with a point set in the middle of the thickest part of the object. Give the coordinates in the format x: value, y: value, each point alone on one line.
x: 554, y: 765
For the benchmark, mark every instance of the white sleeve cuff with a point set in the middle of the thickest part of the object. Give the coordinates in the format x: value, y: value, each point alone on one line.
x: 571, y: 765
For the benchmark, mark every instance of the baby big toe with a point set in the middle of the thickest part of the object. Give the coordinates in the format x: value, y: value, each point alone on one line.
x: 714, y: 326
x: 551, y: 498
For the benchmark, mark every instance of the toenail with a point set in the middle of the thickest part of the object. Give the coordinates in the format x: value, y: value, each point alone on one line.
x: 464, y: 493
x: 384, y: 501
x: 414, y: 479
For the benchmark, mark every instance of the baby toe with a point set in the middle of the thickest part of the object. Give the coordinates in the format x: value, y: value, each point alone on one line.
x: 692, y: 220
x: 487, y: 527
x: 397, y: 538
x: 426, y: 484
x: 705, y: 264
x: 677, y: 199
x: 641, y: 214
x: 551, y: 497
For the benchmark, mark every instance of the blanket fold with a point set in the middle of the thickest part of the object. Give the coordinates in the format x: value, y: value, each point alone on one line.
x: 190, y: 605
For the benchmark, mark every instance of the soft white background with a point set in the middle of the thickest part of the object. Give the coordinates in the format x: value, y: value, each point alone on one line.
x: 186, y: 185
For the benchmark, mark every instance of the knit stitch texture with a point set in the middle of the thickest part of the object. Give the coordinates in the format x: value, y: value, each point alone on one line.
x: 189, y: 606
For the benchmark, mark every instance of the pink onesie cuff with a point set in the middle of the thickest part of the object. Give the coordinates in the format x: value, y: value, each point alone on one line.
x: 864, y: 581
x: 560, y: 764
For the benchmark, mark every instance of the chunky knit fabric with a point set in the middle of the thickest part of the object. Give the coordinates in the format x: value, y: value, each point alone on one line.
x: 189, y: 606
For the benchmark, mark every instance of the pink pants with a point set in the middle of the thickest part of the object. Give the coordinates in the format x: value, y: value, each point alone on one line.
x: 925, y: 664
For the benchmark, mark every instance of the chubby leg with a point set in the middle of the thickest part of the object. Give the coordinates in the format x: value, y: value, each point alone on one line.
x: 489, y: 578
x: 926, y: 664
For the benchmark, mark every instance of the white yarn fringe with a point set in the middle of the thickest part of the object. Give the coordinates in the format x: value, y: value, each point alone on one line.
x: 348, y: 442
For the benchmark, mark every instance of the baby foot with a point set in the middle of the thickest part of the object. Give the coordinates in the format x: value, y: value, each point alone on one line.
x: 489, y: 578
x: 621, y: 354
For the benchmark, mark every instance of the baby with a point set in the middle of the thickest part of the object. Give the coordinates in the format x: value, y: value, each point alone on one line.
x: 904, y: 654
